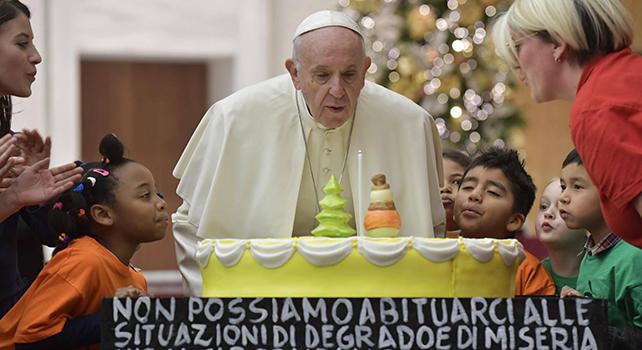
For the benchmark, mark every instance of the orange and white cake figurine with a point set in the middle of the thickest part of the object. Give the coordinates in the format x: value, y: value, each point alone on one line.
x: 382, y: 219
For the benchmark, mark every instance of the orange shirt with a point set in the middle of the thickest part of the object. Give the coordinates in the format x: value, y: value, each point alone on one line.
x: 532, y: 278
x: 72, y: 284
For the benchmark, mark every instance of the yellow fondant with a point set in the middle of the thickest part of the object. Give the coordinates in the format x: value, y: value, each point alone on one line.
x: 412, y: 276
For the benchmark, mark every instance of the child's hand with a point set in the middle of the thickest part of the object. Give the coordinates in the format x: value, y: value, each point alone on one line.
x: 569, y: 292
x: 130, y: 292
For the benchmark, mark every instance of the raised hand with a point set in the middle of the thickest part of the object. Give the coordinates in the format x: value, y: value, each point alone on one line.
x: 33, y: 148
x: 37, y: 184
x: 9, y: 156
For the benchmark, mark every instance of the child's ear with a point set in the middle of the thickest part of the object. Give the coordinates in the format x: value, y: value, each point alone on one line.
x: 515, y: 222
x: 102, y: 214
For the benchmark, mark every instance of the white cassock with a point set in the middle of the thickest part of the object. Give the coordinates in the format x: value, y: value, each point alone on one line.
x: 245, y: 168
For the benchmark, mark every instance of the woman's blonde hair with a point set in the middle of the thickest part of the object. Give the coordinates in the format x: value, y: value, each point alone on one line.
x: 589, y: 27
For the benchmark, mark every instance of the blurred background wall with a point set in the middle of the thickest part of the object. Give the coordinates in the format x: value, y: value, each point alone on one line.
x: 148, y: 70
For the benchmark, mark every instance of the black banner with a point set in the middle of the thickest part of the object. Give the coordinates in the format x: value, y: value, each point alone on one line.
x: 352, y: 323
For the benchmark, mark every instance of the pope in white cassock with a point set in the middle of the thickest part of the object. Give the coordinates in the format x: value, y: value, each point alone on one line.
x: 257, y: 162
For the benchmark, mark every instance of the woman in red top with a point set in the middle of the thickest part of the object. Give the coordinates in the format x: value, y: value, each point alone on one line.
x: 579, y: 51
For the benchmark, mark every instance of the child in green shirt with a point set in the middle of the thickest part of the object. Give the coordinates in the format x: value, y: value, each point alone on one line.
x: 565, y: 246
x: 610, y: 268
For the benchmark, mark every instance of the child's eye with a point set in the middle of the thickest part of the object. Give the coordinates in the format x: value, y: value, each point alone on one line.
x: 467, y: 188
x: 577, y: 187
x: 543, y: 206
x: 145, y: 195
x: 493, y: 193
x: 160, y: 195
x: 456, y: 182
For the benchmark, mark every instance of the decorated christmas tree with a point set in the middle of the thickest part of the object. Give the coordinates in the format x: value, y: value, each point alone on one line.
x: 437, y: 53
x: 333, y: 219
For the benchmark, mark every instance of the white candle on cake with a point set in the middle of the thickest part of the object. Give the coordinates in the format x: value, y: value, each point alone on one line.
x: 359, y: 212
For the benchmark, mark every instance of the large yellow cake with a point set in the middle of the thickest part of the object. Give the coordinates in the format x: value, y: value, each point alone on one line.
x: 359, y: 267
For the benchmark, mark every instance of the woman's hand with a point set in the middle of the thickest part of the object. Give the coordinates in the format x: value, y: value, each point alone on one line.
x: 9, y: 156
x: 33, y: 147
x: 37, y: 184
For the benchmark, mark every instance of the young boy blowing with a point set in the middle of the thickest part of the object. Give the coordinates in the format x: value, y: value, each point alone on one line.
x: 455, y: 163
x: 493, y: 200
x: 565, y: 246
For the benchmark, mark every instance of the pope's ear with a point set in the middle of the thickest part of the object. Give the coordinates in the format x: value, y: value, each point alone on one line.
x: 366, y: 64
x: 290, y: 65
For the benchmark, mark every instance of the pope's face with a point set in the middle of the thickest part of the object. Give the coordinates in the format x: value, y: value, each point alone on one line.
x: 330, y: 73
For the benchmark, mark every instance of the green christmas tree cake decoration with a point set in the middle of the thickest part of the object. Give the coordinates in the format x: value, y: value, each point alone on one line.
x: 333, y: 219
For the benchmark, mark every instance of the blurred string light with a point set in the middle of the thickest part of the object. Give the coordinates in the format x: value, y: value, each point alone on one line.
x: 438, y: 54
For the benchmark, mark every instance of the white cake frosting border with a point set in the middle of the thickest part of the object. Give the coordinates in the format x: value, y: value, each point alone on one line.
x: 436, y: 250
x: 382, y: 253
x: 482, y: 249
x: 331, y: 251
x: 274, y: 253
x: 203, y: 252
x: 511, y: 251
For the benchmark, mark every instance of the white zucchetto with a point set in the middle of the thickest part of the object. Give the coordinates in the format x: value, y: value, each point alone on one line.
x: 326, y: 18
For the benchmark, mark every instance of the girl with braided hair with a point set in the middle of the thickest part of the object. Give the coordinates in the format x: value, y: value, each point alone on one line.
x: 99, y: 225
